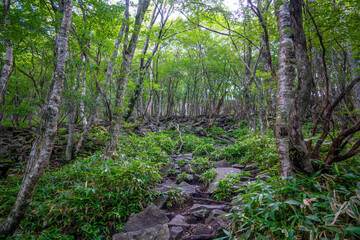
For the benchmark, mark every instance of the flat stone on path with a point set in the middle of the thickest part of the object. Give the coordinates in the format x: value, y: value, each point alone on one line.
x: 202, y: 229
x: 159, y: 232
x: 238, y: 166
x: 222, y: 173
x: 222, y: 163
x: 187, y: 188
x: 176, y: 232
x: 178, y: 221
x: 186, y: 156
x: 196, y: 207
x: 150, y: 217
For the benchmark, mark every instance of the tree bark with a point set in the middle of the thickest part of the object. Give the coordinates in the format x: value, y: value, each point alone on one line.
x: 122, y: 80
x: 44, y: 142
x: 292, y: 153
x: 6, y: 70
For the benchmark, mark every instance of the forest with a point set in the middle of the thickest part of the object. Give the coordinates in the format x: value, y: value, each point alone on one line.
x: 180, y: 119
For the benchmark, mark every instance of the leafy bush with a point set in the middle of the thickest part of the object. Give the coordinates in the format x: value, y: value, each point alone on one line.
x: 208, y: 176
x: 324, y: 206
x: 227, y: 187
x: 201, y: 164
x: 204, y: 149
x: 183, y: 177
x: 176, y: 198
x: 90, y: 198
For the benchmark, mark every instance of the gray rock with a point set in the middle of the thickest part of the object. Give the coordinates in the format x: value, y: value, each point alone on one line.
x: 160, y: 200
x: 202, y: 229
x: 238, y: 166
x: 187, y: 188
x: 176, y: 232
x: 222, y: 173
x: 150, y: 217
x: 254, y: 172
x: 249, y: 167
x: 159, y: 232
x: 264, y: 177
x: 178, y: 221
x: 214, y: 217
x: 200, y: 214
x: 164, y: 171
x: 164, y: 187
x: 188, y: 168
x: 196, y: 207
x: 186, y: 156
x: 222, y: 163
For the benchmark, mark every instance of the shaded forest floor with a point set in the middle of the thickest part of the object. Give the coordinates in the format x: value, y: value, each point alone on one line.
x: 173, y: 164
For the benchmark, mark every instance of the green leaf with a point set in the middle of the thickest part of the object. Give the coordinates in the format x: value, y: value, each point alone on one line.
x: 292, y: 202
x: 353, y: 229
x: 314, y: 217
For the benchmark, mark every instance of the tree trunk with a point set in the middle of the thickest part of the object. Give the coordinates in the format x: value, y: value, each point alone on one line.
x: 292, y: 152
x: 44, y: 142
x: 6, y: 70
x: 123, y: 79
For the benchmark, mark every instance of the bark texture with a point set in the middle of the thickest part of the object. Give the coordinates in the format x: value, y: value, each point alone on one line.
x: 122, y: 80
x: 44, y: 142
x: 6, y: 70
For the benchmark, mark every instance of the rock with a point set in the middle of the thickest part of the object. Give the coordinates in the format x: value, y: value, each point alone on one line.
x: 187, y: 188
x: 189, y: 178
x: 164, y: 187
x: 238, y: 166
x: 214, y: 217
x: 222, y: 163
x: 186, y: 156
x: 176, y: 232
x: 170, y: 215
x: 254, y: 172
x: 178, y: 221
x: 192, y: 220
x: 222, y: 173
x: 249, y: 167
x: 150, y: 217
x: 188, y: 168
x: 264, y: 177
x: 164, y: 171
x: 202, y: 229
x: 160, y: 200
x: 158, y: 232
x: 196, y: 207
x: 200, y: 214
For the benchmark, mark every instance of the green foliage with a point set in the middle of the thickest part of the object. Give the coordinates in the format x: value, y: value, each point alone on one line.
x: 251, y: 149
x: 208, y: 176
x: 182, y: 177
x: 227, y: 187
x: 204, y: 149
x: 201, y: 164
x: 88, y: 199
x: 176, y: 198
x: 304, y: 208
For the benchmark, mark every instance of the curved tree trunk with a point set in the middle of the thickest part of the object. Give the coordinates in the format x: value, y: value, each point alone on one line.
x: 6, y: 70
x: 44, y: 142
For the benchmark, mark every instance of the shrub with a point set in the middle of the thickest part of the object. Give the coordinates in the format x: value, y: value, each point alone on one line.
x: 321, y: 207
x: 90, y: 198
x: 208, y: 176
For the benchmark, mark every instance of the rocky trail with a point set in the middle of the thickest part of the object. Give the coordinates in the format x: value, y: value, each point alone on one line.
x: 199, y: 217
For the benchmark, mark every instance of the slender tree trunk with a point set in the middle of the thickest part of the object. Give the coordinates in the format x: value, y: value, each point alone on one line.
x: 122, y: 80
x: 6, y: 70
x: 44, y: 142
x: 92, y: 120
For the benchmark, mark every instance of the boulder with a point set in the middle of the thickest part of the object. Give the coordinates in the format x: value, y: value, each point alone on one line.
x: 197, y: 207
x: 158, y: 232
x: 164, y: 171
x: 222, y: 173
x: 176, y: 232
x: 238, y: 166
x: 214, y: 217
x: 202, y: 229
x: 222, y: 163
x: 187, y: 188
x: 186, y: 156
x: 152, y: 216
x: 178, y: 221
x: 249, y: 167
x: 160, y: 200
x: 188, y: 168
